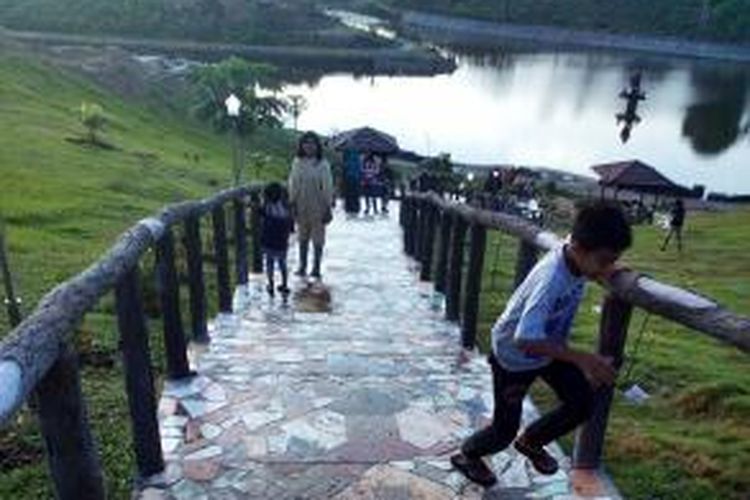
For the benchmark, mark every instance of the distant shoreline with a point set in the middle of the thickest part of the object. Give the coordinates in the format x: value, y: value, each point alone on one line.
x: 487, y: 34
x: 375, y: 60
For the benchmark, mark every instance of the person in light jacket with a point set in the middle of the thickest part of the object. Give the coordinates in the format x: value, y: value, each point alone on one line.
x: 311, y: 198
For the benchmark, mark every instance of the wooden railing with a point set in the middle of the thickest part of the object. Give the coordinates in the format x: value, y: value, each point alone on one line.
x: 38, y: 363
x: 423, y: 213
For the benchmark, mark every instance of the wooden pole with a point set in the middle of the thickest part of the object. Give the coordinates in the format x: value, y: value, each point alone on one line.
x: 240, y: 242
x: 419, y: 216
x: 406, y: 223
x: 453, y: 297
x: 255, y: 232
x: 428, y: 247
x: 411, y: 228
x: 71, y: 450
x: 613, y: 332
x: 525, y: 260
x: 221, y: 253
x: 169, y: 296
x: 196, y: 279
x: 473, y: 286
x: 12, y: 302
x: 139, y: 379
x: 443, y: 249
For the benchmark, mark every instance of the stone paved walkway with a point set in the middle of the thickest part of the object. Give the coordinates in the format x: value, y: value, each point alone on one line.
x: 365, y: 402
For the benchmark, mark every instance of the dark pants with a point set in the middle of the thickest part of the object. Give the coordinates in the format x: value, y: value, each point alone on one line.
x: 676, y: 231
x: 510, y: 388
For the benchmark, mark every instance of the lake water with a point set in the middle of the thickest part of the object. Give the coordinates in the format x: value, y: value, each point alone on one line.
x: 555, y: 110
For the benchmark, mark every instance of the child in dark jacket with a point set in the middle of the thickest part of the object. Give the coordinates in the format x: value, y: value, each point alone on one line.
x: 276, y: 226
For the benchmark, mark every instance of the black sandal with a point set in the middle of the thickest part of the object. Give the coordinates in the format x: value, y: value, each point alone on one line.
x: 543, y: 462
x: 474, y: 469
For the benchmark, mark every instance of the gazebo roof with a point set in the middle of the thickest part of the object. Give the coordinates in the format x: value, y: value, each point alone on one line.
x: 637, y: 176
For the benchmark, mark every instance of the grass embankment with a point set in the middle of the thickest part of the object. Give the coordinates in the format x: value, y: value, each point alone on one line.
x: 691, y: 439
x: 726, y: 20
x: 65, y: 203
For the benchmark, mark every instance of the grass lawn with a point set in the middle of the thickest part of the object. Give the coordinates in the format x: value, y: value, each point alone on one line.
x: 691, y: 439
x: 65, y: 203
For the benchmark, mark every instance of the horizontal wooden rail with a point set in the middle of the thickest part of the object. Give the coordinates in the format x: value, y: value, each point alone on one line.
x: 679, y: 305
x: 29, y: 351
x: 625, y: 289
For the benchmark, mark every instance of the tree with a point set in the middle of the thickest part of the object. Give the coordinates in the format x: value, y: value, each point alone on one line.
x: 92, y: 117
x: 255, y: 85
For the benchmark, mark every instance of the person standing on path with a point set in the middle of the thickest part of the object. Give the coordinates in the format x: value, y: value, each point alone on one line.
x: 276, y: 226
x: 371, y: 183
x: 311, y: 198
x: 676, y: 221
x: 530, y: 341
x: 352, y: 181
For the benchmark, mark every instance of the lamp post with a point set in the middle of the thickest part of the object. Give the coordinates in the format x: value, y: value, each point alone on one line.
x: 234, y: 105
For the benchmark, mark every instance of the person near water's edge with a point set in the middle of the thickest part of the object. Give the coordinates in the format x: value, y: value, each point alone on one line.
x: 676, y: 221
x: 311, y: 198
x: 529, y: 341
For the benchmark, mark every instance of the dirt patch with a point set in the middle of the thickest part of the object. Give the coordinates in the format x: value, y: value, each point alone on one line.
x: 95, y: 144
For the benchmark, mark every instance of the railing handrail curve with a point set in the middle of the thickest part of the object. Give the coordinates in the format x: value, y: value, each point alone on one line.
x: 29, y: 350
x: 674, y: 303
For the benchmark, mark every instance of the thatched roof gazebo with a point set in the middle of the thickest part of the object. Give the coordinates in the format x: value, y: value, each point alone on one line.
x: 638, y: 177
x: 366, y: 140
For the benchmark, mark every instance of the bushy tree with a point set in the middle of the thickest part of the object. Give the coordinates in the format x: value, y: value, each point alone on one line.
x: 93, y: 118
x: 255, y: 85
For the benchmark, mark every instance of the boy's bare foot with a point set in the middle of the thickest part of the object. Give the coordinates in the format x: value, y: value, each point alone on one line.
x: 542, y: 461
x: 474, y: 469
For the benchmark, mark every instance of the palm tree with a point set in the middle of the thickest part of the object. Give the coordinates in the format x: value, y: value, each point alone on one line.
x: 255, y: 85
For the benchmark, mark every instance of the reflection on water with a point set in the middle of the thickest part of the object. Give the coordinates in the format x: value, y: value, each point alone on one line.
x: 633, y: 95
x: 719, y: 118
x: 557, y: 110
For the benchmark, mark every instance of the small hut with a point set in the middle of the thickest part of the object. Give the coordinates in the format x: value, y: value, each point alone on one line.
x: 637, y: 177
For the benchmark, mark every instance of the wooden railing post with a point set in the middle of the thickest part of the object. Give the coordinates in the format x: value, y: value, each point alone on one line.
x: 12, y: 302
x: 255, y: 231
x: 525, y: 261
x: 196, y: 279
x: 613, y: 332
x: 473, y: 286
x: 419, y: 226
x: 71, y: 450
x: 411, y: 228
x: 240, y: 242
x: 169, y: 297
x: 443, y: 249
x: 139, y: 379
x: 221, y: 254
x: 428, y: 246
x: 453, y: 297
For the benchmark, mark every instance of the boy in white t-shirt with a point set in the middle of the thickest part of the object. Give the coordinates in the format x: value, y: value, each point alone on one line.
x: 529, y: 341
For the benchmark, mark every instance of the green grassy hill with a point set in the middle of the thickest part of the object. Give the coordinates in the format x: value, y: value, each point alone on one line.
x: 64, y: 203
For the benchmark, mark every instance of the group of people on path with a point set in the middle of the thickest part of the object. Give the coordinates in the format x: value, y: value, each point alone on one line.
x: 368, y: 176
x: 306, y: 205
x: 530, y: 337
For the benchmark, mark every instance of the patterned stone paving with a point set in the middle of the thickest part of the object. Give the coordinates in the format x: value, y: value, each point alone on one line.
x: 366, y: 401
